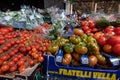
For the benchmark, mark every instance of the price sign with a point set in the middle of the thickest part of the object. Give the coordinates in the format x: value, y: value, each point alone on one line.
x: 19, y: 24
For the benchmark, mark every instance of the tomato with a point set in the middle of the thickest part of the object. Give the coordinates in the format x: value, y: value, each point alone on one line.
x: 85, y: 23
x: 85, y: 28
x: 117, y: 31
x: 21, y: 68
x: 101, y: 41
x: 4, y: 68
x: 4, y: 58
x: 16, y: 50
x: 5, y: 48
x: 108, y: 29
x: 12, y: 42
x: 10, y: 29
x: 92, y: 25
x: 113, y: 40
x: 2, y: 41
x: 97, y: 35
x: 28, y: 48
x: 41, y: 59
x: 11, y: 63
x: 75, y: 39
x: 94, y: 30
x: 78, y: 32
x: 93, y: 60
x: 2, y: 37
x: 8, y: 45
x: 1, y: 51
x: 20, y: 56
x: 53, y: 48
x: 101, y: 59
x: 20, y: 62
x: 8, y: 57
x: 23, y: 49
x: 80, y: 49
x: 116, y: 49
x: 31, y: 62
x: 35, y: 56
x: 107, y: 48
x: 12, y: 53
x: 13, y: 68
x: 76, y: 56
x: 1, y: 62
x: 15, y: 59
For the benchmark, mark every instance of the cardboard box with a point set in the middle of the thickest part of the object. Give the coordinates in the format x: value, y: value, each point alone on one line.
x: 33, y: 73
x: 78, y: 72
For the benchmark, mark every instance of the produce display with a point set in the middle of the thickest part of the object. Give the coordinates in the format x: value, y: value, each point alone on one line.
x: 20, y: 49
x: 94, y: 44
x: 87, y: 43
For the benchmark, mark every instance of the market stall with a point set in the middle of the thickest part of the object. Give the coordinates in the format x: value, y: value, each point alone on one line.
x: 55, y: 44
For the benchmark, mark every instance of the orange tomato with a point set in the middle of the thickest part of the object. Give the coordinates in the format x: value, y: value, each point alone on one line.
x: 107, y: 48
x: 78, y: 32
x: 93, y: 60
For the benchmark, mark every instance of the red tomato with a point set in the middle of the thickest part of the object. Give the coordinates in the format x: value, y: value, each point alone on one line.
x: 8, y: 57
x: 8, y: 45
x: 12, y: 42
x: 108, y: 29
x: 1, y: 62
x: 116, y: 49
x: 4, y: 68
x: 21, y: 68
x: 28, y: 48
x: 4, y: 58
x: 13, y: 68
x: 101, y: 41
x: 5, y: 48
x: 21, y: 62
x: 2, y: 38
x: 97, y: 35
x: 40, y: 59
x: 85, y: 28
x: 117, y: 31
x: 20, y: 56
x: 11, y: 63
x: 31, y: 62
x: 12, y: 53
x: 94, y: 30
x: 2, y: 41
x: 92, y: 25
x: 113, y: 40
x: 1, y: 51
x: 84, y: 23
x: 10, y: 29
x: 15, y: 59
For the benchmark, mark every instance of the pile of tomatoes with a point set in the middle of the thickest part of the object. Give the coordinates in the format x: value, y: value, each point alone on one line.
x: 20, y: 49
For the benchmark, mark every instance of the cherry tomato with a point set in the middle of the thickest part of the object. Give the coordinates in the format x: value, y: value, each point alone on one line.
x: 15, y: 59
x: 13, y: 68
x: 21, y: 62
x: 21, y: 68
x: 11, y: 63
x: 31, y: 62
x: 40, y: 59
x: 1, y: 62
x: 1, y: 51
x: 4, y: 68
x: 4, y: 58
